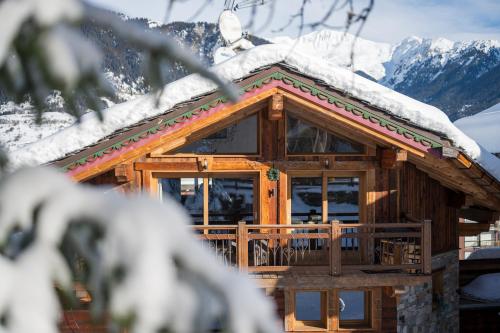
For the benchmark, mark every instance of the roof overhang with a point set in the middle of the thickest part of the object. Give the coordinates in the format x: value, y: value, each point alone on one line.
x: 427, y: 146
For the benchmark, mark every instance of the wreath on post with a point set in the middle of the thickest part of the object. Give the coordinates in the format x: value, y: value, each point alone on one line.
x: 273, y: 174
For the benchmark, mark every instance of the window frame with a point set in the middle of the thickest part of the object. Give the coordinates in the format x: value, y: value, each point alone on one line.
x: 210, y: 131
x: 206, y: 176
x: 311, y: 325
x: 312, y: 122
x: 367, y: 322
x: 325, y: 174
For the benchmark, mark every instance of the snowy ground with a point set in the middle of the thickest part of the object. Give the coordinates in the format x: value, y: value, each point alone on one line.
x: 18, y: 127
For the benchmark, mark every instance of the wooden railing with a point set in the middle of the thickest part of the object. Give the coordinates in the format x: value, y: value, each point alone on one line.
x: 322, y: 248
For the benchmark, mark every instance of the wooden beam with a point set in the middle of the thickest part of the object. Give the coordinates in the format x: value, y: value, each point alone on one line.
x: 464, y: 161
x: 472, y: 229
x: 124, y: 173
x: 351, y: 123
x: 456, y: 199
x: 390, y: 158
x: 275, y: 107
x: 230, y: 113
x: 479, y: 215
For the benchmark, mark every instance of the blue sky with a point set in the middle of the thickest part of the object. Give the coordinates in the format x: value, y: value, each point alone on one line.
x: 390, y: 21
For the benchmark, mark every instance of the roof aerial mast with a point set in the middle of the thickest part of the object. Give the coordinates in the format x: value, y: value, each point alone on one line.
x: 234, y: 39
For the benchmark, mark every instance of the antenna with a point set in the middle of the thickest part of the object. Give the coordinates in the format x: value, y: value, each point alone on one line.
x: 230, y: 27
x: 249, y: 3
x: 242, y: 4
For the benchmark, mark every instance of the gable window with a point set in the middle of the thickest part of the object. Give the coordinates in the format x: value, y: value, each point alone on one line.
x: 310, y: 309
x: 239, y: 138
x: 305, y: 138
x: 354, y: 308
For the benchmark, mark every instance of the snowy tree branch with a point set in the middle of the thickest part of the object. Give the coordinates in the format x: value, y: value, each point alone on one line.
x: 145, y: 268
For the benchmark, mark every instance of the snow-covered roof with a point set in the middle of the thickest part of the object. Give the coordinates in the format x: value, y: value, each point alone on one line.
x: 484, y: 288
x: 484, y: 127
x: 91, y: 130
x: 485, y: 253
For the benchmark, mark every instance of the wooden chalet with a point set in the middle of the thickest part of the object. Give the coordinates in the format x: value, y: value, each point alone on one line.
x: 347, y: 216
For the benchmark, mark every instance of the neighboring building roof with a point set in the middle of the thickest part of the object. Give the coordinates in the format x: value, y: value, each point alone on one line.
x: 125, y: 115
x: 484, y: 127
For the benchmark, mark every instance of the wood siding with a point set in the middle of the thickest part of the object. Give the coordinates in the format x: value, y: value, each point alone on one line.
x: 410, y: 191
x: 389, y: 311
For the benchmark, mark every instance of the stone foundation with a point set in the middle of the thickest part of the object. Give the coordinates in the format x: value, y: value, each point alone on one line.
x: 416, y: 311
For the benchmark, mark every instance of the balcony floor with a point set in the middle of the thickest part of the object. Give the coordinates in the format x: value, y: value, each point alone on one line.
x: 319, y: 278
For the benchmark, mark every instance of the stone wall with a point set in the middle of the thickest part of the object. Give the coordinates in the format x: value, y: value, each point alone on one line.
x: 416, y: 311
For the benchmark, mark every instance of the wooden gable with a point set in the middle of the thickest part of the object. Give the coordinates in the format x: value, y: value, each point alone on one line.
x: 274, y: 90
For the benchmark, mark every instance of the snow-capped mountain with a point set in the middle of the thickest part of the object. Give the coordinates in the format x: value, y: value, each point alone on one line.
x: 461, y: 78
x: 122, y: 67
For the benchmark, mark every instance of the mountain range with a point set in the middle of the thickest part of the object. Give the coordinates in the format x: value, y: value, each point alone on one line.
x: 461, y: 78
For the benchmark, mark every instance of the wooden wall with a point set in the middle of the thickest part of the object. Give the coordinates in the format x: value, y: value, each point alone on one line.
x: 408, y: 190
x: 389, y: 311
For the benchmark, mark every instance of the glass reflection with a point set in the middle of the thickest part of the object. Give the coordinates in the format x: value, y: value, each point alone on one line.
x: 352, y: 305
x: 188, y: 192
x: 304, y: 138
x: 308, y: 305
x: 230, y: 200
x: 240, y: 138
x: 306, y: 200
x: 343, y: 205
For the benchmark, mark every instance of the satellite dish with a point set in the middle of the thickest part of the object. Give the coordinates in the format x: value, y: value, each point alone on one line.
x: 230, y: 27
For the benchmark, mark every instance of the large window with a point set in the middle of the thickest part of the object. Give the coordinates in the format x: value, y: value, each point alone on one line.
x: 307, y: 200
x: 188, y: 192
x: 354, y: 307
x: 311, y: 194
x: 212, y: 199
x: 310, y: 309
x: 304, y: 138
x: 239, y: 138
x: 343, y: 205
x: 230, y: 200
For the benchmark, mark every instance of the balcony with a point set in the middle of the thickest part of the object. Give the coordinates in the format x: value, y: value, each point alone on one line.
x: 324, y: 249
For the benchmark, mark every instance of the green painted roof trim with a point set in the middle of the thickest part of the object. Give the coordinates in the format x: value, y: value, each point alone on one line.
x: 278, y: 75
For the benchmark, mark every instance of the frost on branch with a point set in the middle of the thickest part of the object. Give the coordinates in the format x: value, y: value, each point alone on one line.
x: 42, y: 50
x: 143, y: 265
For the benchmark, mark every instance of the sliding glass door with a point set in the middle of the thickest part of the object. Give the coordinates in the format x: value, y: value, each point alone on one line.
x: 213, y: 199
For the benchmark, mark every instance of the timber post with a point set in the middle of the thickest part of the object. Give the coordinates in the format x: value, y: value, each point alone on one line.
x: 242, y: 246
x: 427, y: 247
x: 335, y: 249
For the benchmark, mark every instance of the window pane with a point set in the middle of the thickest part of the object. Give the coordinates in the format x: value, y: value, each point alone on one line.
x: 308, y: 305
x: 188, y: 192
x: 304, y: 138
x: 343, y: 199
x: 306, y: 200
x: 240, y: 138
x: 230, y: 200
x: 343, y: 205
x: 352, y: 305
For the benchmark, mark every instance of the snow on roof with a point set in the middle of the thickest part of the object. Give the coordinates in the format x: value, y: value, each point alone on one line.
x: 485, y: 253
x: 484, y: 288
x: 91, y: 130
x: 484, y: 127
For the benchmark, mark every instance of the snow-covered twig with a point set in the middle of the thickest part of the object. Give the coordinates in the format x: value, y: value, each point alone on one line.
x: 146, y: 268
